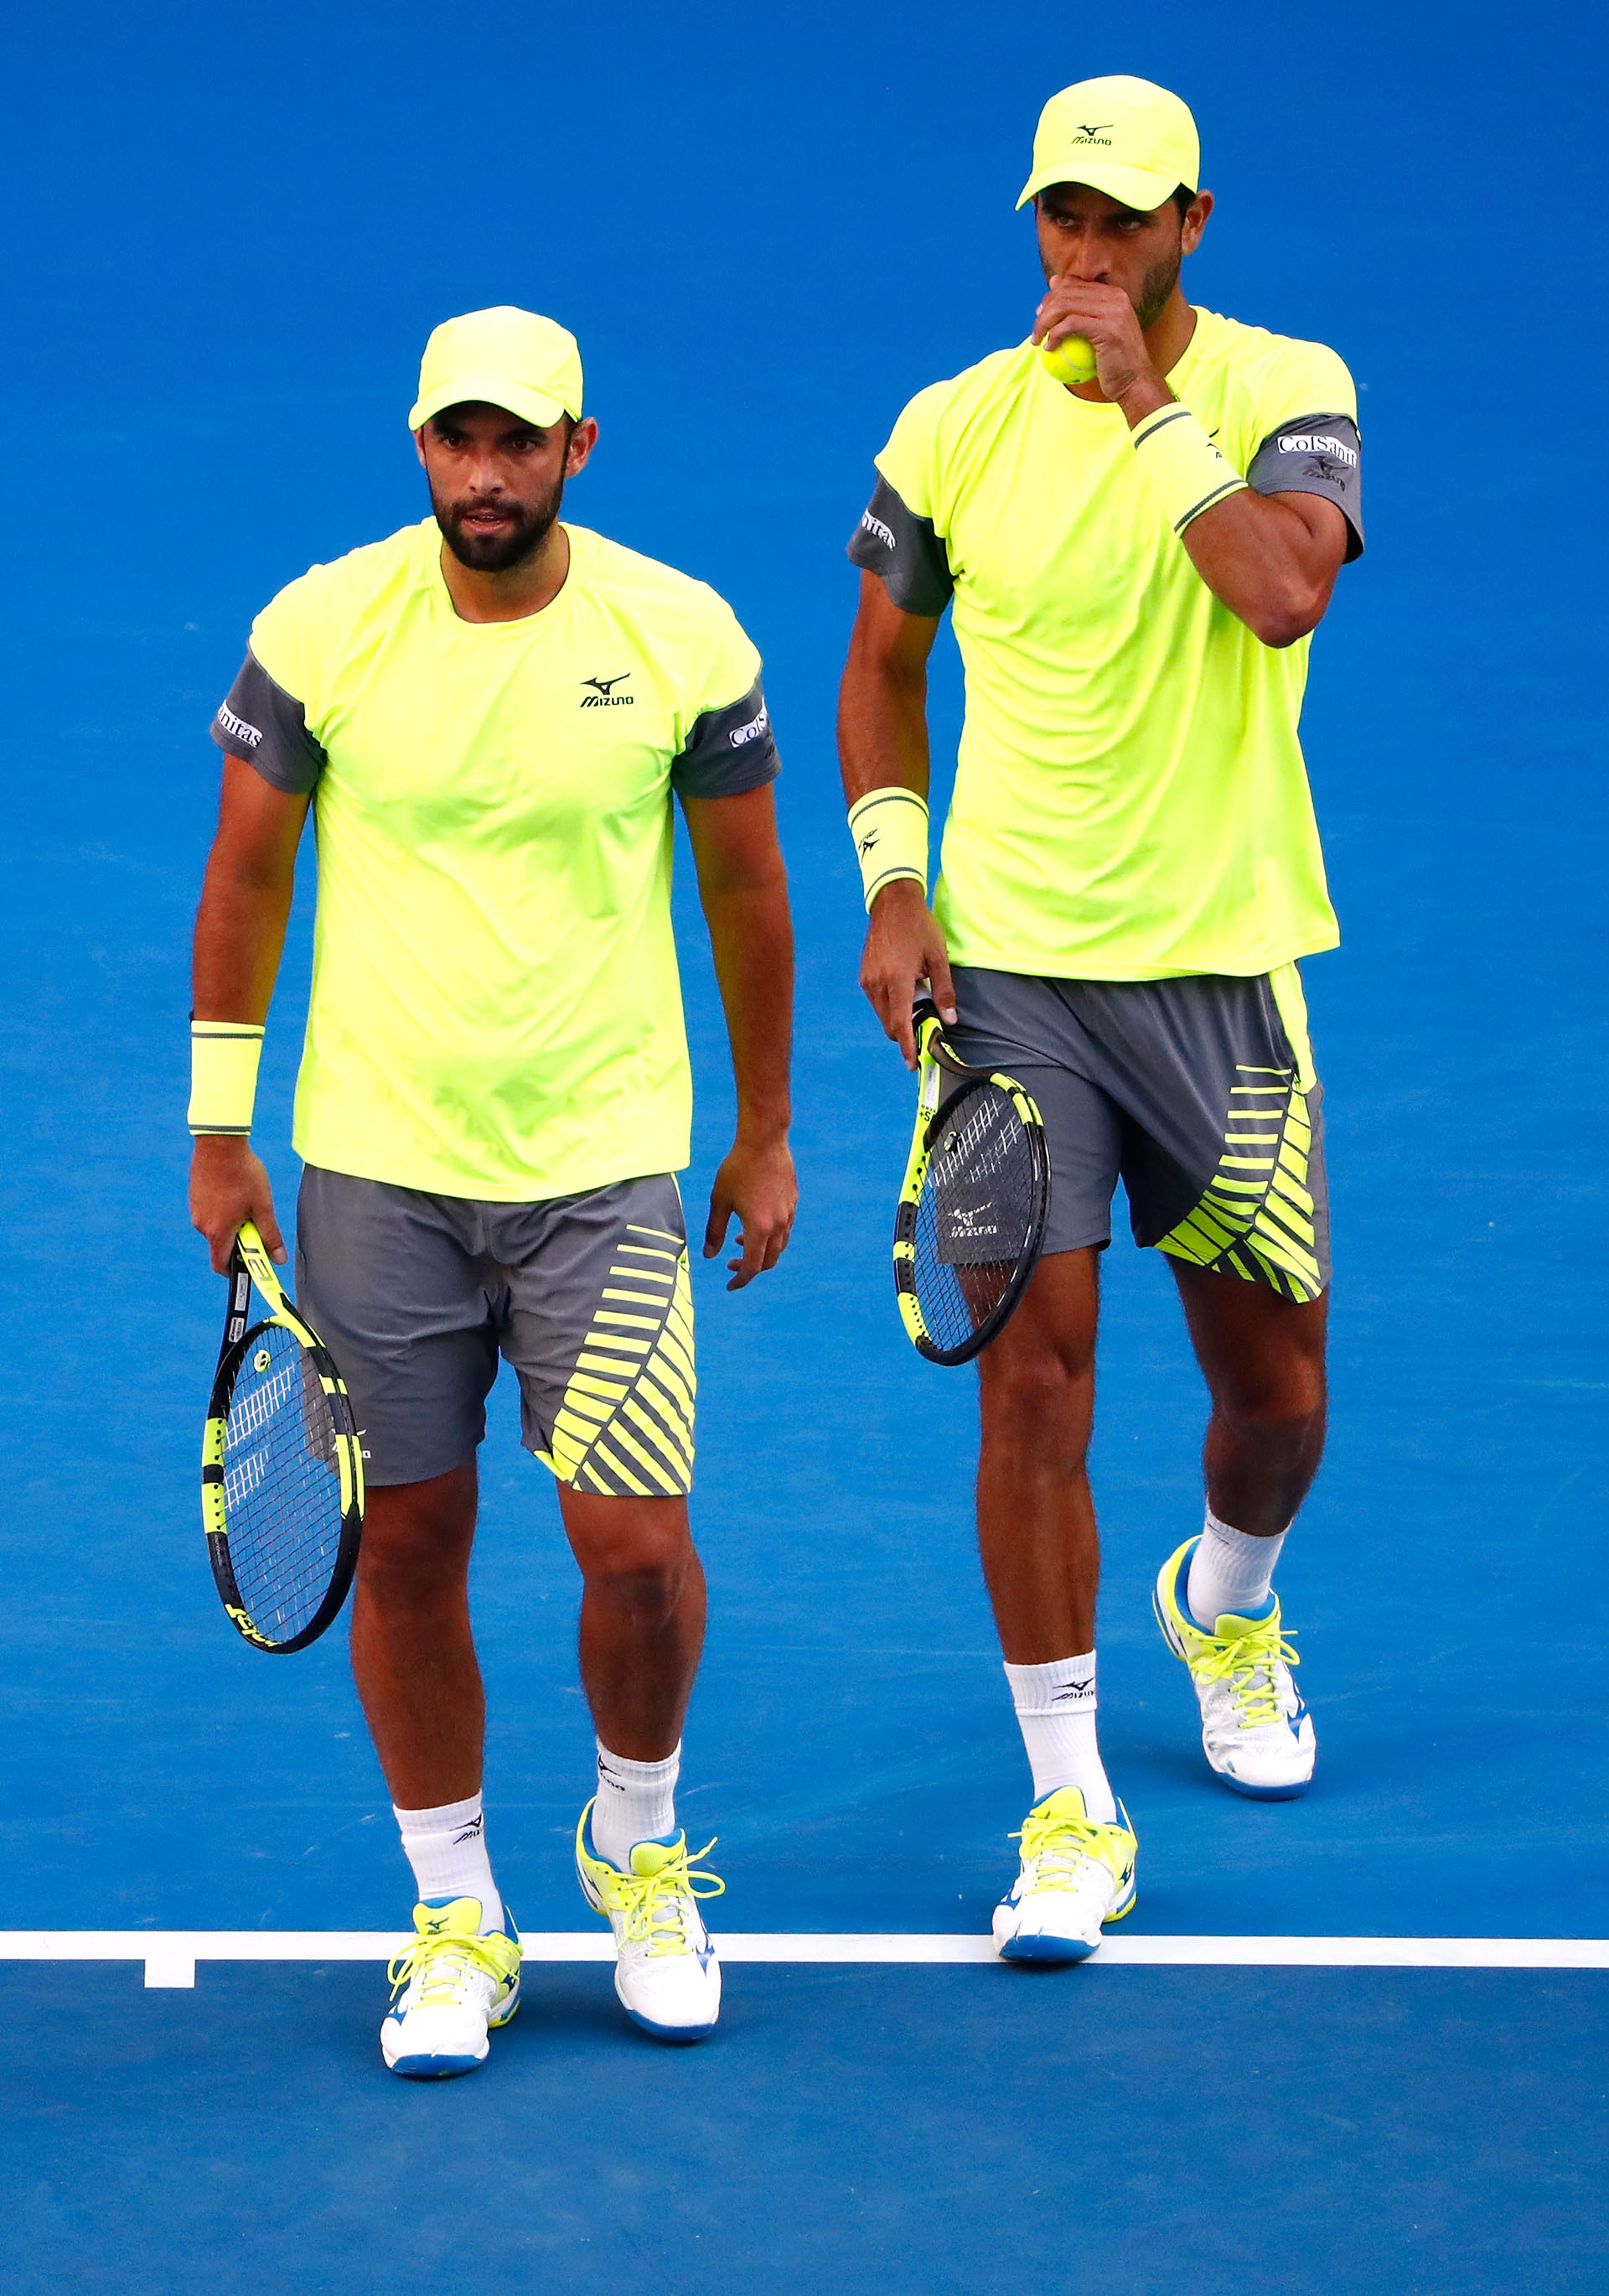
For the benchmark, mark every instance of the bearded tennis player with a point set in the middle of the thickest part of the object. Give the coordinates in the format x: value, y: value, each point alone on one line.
x: 489, y: 715
x: 1135, y: 563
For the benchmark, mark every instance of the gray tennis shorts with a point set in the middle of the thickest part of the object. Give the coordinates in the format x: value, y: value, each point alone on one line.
x: 417, y: 1296
x: 1199, y: 1095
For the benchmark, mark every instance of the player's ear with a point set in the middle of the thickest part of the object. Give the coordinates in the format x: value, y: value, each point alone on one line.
x: 1195, y: 222
x: 419, y: 444
x: 584, y: 437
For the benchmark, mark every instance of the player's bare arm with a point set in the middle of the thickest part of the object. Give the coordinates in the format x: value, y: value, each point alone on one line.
x: 1273, y: 559
x: 239, y: 933
x: 883, y: 744
x: 743, y: 888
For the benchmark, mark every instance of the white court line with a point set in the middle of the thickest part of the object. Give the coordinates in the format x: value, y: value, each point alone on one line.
x: 170, y: 1955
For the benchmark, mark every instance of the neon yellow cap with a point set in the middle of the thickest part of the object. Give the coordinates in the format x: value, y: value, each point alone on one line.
x: 505, y: 356
x: 1126, y: 138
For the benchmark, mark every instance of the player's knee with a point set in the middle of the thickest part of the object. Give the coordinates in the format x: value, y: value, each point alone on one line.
x: 647, y: 1589
x: 411, y: 1561
x: 1037, y: 1396
x: 1285, y: 1414
x: 636, y: 1558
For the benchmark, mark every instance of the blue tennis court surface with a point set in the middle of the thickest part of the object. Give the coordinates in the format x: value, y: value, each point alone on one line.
x: 226, y: 235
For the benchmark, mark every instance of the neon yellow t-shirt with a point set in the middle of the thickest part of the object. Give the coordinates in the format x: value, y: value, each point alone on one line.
x: 496, y: 1011
x: 1130, y: 800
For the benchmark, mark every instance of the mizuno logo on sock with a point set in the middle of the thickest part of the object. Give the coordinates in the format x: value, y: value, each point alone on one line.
x: 471, y: 1832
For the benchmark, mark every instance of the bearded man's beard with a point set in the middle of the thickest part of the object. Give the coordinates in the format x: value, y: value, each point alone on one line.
x: 497, y: 553
x: 1154, y: 290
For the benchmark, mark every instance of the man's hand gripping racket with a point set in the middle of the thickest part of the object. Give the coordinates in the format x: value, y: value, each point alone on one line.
x: 281, y: 1469
x: 971, y: 1219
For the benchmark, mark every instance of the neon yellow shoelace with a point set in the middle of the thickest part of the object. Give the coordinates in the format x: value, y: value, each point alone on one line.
x: 1061, y: 1844
x: 652, y: 1902
x: 455, y: 1952
x: 1246, y: 1663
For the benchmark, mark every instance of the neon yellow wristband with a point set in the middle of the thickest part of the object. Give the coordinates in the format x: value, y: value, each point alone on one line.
x: 224, y: 1055
x: 889, y: 827
x: 1183, y: 469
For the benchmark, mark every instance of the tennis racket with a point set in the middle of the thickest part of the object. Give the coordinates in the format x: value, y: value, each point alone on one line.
x: 971, y: 1219
x: 281, y: 1472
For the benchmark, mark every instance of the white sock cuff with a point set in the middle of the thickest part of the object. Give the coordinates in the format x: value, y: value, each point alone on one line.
x: 448, y: 1817
x: 640, y: 1774
x: 1062, y: 1685
x: 1242, y: 1542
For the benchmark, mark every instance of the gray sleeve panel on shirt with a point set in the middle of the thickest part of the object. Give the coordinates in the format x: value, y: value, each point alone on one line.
x: 1315, y: 455
x: 727, y: 751
x: 268, y: 727
x: 893, y: 542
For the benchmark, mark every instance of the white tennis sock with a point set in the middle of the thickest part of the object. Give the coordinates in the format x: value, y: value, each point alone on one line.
x: 1056, y: 1713
x: 1230, y: 1571
x: 447, y: 1849
x: 636, y: 1802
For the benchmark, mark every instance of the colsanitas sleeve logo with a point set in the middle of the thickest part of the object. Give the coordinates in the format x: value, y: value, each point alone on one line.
x: 751, y: 732
x: 237, y: 728
x: 875, y: 527
x: 1316, y: 442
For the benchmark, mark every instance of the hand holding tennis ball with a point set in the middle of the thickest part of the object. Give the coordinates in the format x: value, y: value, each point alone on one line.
x: 1071, y: 361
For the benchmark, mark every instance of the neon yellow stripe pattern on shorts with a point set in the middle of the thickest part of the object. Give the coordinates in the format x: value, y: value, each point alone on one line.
x: 626, y: 1426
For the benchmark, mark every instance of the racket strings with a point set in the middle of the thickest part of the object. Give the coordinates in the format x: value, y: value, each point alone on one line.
x: 282, y: 1486
x: 978, y: 1214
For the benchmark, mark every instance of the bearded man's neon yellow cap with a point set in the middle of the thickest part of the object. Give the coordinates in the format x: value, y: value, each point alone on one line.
x: 1126, y: 138
x: 506, y: 357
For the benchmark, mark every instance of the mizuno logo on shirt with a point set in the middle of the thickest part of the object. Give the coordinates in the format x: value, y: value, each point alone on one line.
x: 238, y: 727
x: 885, y: 533
x: 751, y: 732
x: 603, y: 695
x: 1315, y: 442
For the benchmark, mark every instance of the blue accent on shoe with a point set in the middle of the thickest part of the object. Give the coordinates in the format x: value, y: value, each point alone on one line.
x: 1265, y: 1793
x: 427, y: 2068
x: 504, y: 1928
x: 1056, y: 1950
x: 671, y: 2032
x: 1264, y: 1610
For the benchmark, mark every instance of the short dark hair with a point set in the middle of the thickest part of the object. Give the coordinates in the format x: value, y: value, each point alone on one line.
x: 1182, y: 199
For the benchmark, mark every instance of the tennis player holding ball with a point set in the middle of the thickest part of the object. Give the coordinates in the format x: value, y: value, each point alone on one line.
x: 1135, y: 558
x: 489, y: 715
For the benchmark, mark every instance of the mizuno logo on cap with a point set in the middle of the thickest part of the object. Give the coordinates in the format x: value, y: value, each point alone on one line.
x: 1095, y: 134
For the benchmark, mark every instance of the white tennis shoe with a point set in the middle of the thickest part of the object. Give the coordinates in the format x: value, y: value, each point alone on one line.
x: 449, y: 1989
x: 1075, y: 1873
x: 666, y: 1970
x: 1255, y: 1729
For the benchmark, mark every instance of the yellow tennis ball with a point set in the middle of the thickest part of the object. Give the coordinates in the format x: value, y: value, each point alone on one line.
x: 1072, y: 361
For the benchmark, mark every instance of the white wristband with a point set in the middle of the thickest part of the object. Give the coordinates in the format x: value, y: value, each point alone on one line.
x: 1183, y: 469
x: 224, y: 1055
x: 889, y: 827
